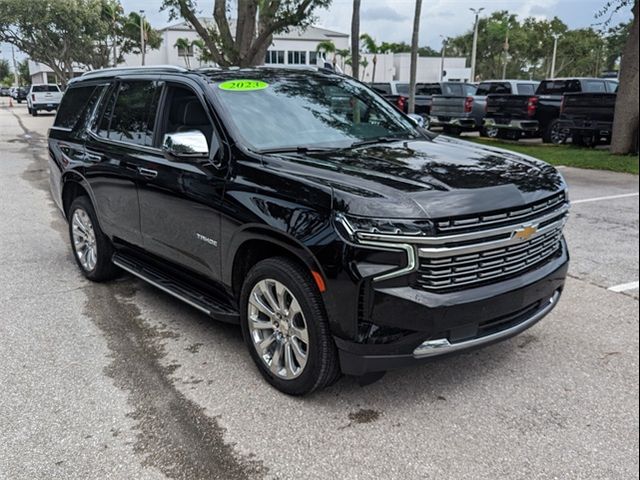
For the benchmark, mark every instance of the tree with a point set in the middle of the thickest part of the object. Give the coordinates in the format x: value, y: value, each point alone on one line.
x: 616, y: 39
x: 327, y: 47
x: 625, y: 124
x: 355, y: 40
x: 414, y: 57
x: 344, y: 54
x: 112, y: 14
x: 5, y: 69
x: 373, y: 48
x: 257, y: 22
x: 24, y: 77
x: 131, y: 41
x: 183, y: 45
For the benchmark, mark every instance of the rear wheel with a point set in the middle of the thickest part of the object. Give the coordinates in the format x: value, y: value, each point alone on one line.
x: 555, y: 133
x: 92, y: 249
x: 34, y: 112
x: 490, y: 132
x: 286, y: 328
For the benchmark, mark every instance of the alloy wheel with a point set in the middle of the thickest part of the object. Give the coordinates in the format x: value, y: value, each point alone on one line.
x: 278, y: 329
x: 84, y: 239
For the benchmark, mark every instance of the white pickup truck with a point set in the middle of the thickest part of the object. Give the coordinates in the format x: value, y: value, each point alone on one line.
x: 44, y: 96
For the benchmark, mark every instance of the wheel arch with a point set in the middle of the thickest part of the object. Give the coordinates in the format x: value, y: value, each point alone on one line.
x: 73, y: 186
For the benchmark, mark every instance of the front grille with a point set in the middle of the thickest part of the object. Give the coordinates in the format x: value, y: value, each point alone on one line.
x: 475, y: 222
x: 486, y: 249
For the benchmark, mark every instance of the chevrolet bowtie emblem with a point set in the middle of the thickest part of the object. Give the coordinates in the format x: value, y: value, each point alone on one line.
x: 525, y: 233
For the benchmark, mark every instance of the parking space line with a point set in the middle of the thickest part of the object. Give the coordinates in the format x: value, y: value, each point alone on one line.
x: 600, y: 199
x: 625, y: 287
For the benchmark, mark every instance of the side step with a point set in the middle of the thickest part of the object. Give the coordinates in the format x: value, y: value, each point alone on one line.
x: 205, y: 302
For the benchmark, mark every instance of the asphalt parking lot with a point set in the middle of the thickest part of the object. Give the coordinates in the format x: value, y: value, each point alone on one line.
x: 122, y: 381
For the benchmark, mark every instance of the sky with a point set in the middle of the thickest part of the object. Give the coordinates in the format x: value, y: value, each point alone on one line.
x: 392, y: 20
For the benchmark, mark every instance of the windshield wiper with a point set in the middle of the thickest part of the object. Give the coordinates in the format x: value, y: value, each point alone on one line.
x: 374, y: 141
x: 299, y: 149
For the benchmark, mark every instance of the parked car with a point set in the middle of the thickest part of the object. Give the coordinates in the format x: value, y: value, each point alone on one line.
x: 588, y: 117
x: 515, y: 116
x: 4, y: 91
x: 464, y: 111
x: 19, y: 94
x: 44, y: 96
x: 306, y: 208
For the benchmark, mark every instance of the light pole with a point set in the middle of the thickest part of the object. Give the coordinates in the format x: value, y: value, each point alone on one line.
x: 474, y: 49
x: 444, y: 51
x: 15, y: 67
x: 143, y: 46
x: 555, y: 54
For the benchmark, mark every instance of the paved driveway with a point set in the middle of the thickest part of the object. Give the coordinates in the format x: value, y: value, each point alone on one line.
x: 121, y: 381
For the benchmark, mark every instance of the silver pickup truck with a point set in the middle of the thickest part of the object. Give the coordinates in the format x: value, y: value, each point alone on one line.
x: 464, y: 111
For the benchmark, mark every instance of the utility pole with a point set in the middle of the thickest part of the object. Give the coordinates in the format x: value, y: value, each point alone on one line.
x: 555, y: 54
x: 15, y: 67
x: 444, y: 51
x: 413, y: 73
x: 143, y: 45
x: 474, y: 49
x: 506, y: 54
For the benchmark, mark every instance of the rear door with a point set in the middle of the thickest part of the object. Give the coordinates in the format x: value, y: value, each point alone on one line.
x: 120, y: 142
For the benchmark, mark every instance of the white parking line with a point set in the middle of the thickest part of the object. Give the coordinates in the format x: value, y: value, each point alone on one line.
x: 625, y: 287
x: 599, y: 199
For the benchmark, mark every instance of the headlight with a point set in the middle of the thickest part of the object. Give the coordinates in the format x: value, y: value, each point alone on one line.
x: 385, y: 234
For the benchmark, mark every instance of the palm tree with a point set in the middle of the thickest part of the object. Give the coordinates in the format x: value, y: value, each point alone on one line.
x: 343, y: 53
x: 183, y: 45
x: 199, y: 43
x: 373, y: 48
x: 414, y: 57
x: 327, y: 47
x: 111, y: 12
x: 355, y: 39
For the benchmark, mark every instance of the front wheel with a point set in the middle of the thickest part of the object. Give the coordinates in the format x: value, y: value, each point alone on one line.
x: 286, y: 328
x: 92, y: 249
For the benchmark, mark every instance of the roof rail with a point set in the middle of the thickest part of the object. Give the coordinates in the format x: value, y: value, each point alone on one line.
x: 145, y: 68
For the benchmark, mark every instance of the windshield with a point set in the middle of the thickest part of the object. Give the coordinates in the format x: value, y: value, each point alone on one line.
x: 275, y: 111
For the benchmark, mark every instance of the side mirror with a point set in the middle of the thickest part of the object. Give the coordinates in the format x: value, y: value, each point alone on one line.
x: 417, y: 119
x: 185, y: 145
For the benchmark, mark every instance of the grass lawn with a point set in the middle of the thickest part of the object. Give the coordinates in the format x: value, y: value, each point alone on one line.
x: 570, y: 156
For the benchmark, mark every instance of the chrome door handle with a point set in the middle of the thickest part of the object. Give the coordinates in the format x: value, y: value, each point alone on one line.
x: 145, y: 172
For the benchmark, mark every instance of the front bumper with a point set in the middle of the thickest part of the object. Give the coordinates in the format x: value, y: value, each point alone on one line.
x: 520, y: 125
x: 443, y: 324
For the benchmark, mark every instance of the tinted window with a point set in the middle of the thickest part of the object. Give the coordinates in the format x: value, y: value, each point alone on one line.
x: 526, y: 89
x: 612, y: 86
x: 593, y: 86
x: 129, y: 114
x: 72, y: 105
x: 383, y: 88
x: 403, y: 88
x: 45, y: 88
x: 493, y: 87
x: 559, y: 87
x: 428, y: 89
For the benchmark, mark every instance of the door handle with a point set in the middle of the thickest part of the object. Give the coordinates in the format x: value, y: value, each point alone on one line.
x: 145, y: 172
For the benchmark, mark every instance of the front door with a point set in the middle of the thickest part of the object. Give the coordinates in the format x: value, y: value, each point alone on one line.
x: 180, y: 200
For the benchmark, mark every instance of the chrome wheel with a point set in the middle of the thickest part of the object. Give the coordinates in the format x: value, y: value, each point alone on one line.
x: 491, y: 132
x: 84, y: 239
x: 278, y: 329
x: 558, y: 134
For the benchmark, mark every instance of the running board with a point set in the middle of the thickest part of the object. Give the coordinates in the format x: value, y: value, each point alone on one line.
x: 205, y: 302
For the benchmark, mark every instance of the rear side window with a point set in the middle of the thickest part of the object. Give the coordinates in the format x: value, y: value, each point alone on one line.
x: 526, y: 89
x: 73, y: 103
x: 428, y: 89
x: 559, y: 87
x: 383, y: 88
x: 45, y: 88
x: 498, y: 88
x: 130, y: 113
x: 594, y: 86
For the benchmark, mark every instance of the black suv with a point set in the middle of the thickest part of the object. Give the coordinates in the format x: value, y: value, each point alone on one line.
x: 303, y: 206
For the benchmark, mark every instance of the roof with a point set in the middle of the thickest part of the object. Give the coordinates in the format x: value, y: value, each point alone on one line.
x: 310, y: 33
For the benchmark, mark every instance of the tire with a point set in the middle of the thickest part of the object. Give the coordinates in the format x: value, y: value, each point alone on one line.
x: 589, y: 141
x: 555, y: 134
x: 490, y: 132
x: 34, y: 112
x: 450, y: 130
x: 310, y: 366
x: 84, y: 230
x: 28, y: 109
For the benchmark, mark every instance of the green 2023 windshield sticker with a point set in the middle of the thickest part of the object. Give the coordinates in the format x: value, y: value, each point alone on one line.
x: 243, y: 85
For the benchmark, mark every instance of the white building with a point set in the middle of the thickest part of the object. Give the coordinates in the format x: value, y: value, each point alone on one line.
x: 296, y: 47
x: 397, y: 66
x: 41, y: 73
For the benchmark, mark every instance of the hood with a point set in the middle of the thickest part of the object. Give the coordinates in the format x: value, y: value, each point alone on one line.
x: 436, y: 178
